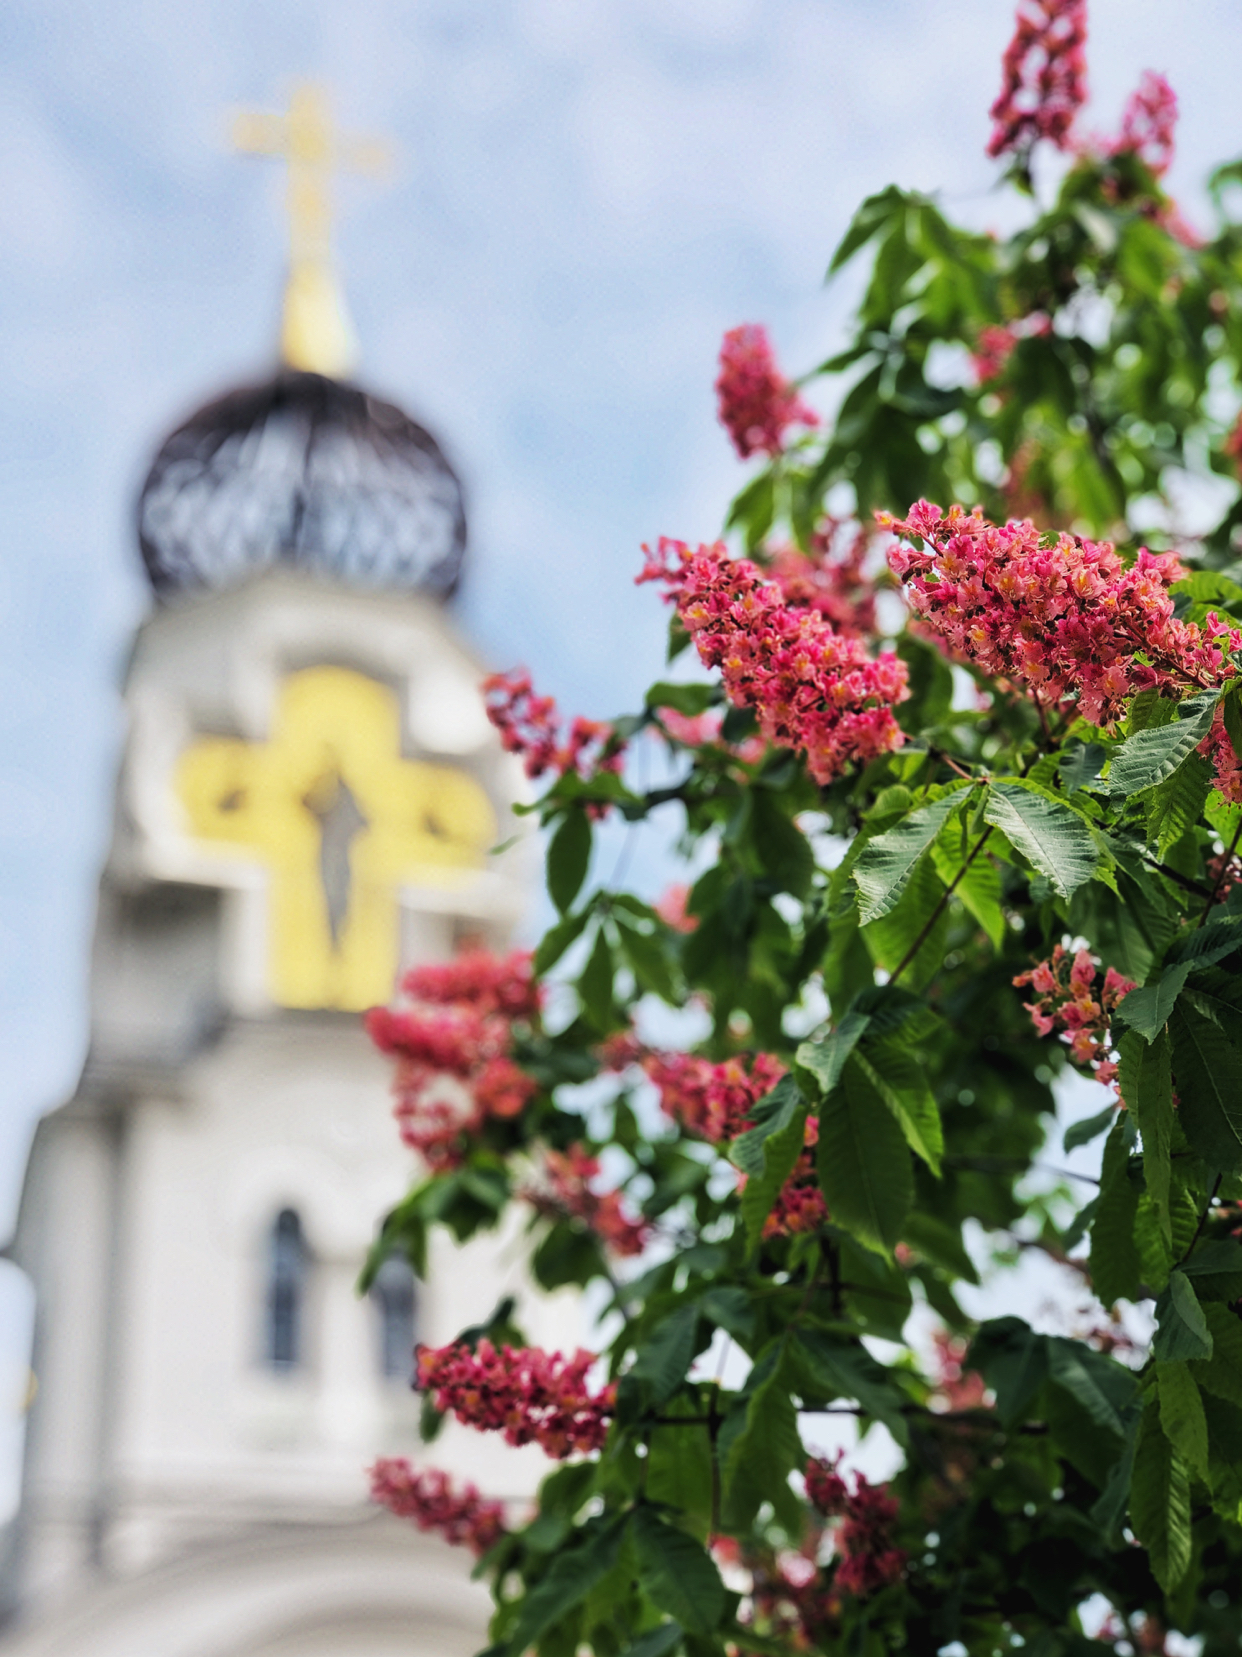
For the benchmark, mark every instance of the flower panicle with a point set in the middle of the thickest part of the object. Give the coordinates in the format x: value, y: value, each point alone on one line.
x: 757, y: 404
x: 1060, y: 615
x: 812, y: 687
x: 528, y: 1395
x: 1071, y: 998
x: 531, y: 727
x: 452, y: 1037
x: 434, y: 1502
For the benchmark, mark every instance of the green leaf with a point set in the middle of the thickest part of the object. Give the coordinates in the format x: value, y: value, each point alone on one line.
x: 558, y: 939
x: 920, y: 916
x: 1183, y: 1329
x: 1160, y: 1502
x: 1080, y: 765
x: 1147, y: 1087
x: 677, y: 1573
x: 1013, y: 1360
x: 667, y: 1353
x: 595, y: 983
x: 901, y: 1081
x: 767, y: 1154
x: 1151, y: 756
x: 1216, y: 1268
x: 825, y: 1059
x: 1115, y: 1271
x: 885, y: 864
x: 1082, y: 1133
x: 783, y: 849
x: 649, y: 961
x: 1207, y: 1068
x: 569, y: 853
x: 1149, y: 1008
x: 864, y: 1166
x: 1055, y: 839
x: 1221, y: 1374
x: 1177, y: 803
x: 1102, y: 1386
x: 979, y: 888
x: 657, y: 1642
x: 871, y: 217
x: 845, y: 1369
x: 690, y: 699
x: 569, y: 1579
x: 759, y: 1444
x: 1181, y: 1415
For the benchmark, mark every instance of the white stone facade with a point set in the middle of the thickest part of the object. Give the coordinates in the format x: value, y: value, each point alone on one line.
x: 182, y: 1496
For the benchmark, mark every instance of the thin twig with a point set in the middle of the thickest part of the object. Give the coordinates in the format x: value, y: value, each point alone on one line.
x: 1224, y: 867
x: 1203, y: 1219
x: 925, y: 931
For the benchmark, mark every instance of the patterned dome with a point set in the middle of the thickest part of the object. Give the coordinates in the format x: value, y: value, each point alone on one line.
x: 308, y: 473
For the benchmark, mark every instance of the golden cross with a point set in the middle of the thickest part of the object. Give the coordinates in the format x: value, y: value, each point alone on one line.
x: 341, y: 821
x: 316, y: 334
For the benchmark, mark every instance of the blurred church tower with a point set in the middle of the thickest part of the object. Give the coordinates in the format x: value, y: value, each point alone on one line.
x: 308, y: 799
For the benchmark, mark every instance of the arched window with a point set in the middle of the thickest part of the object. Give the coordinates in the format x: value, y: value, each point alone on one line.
x: 394, y: 1296
x: 286, y: 1292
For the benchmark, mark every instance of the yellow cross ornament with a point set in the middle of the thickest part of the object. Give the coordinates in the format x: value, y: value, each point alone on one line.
x: 341, y: 821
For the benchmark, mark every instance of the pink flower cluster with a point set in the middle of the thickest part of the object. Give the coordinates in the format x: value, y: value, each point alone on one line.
x: 1148, y: 122
x: 1062, y: 615
x: 995, y: 344
x: 957, y: 1387
x: 452, y: 1041
x: 867, y: 1558
x: 800, y: 1205
x: 1218, y: 747
x: 530, y: 725
x: 566, y: 1192
x: 812, y: 687
x: 711, y: 1100
x: 671, y: 908
x: 459, y: 1514
x: 703, y: 729
x: 531, y: 1396
x: 831, y: 578
x: 756, y: 402
x: 1044, y: 76
x: 1068, y: 998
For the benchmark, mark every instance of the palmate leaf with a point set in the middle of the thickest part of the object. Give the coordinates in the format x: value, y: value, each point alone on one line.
x: 1153, y: 755
x: 1207, y: 1068
x: 1055, y: 839
x: 884, y: 865
x: 1160, y: 1502
x: 864, y: 1165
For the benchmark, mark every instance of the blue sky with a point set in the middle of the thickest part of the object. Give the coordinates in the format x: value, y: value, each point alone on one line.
x: 588, y: 192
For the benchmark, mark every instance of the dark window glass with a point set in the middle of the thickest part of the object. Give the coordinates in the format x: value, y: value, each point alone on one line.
x: 286, y: 1292
x: 393, y: 1293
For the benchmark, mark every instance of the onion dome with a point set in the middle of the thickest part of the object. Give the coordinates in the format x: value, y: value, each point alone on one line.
x: 307, y: 473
